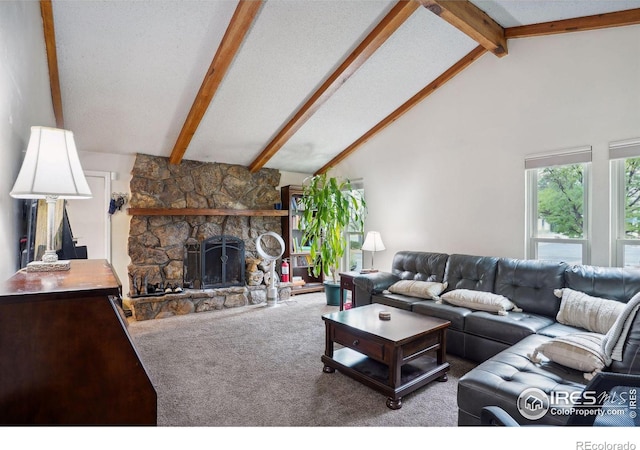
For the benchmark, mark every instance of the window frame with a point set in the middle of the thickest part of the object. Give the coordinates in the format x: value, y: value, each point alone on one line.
x: 356, y: 185
x: 619, y: 152
x: 533, y: 164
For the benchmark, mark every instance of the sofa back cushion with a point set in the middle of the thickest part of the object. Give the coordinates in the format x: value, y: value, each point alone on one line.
x: 421, y: 266
x: 614, y: 283
x: 477, y: 273
x: 530, y: 284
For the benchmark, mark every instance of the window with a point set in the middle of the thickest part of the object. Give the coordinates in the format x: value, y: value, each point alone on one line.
x: 355, y: 237
x: 557, y: 206
x: 625, y: 203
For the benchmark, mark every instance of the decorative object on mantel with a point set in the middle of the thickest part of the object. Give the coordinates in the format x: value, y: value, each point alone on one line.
x: 271, y: 254
x: 51, y: 170
x: 372, y: 243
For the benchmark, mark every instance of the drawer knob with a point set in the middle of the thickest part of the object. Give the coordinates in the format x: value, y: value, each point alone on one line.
x: 356, y: 342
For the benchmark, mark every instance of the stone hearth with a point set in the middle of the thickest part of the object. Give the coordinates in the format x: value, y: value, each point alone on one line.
x: 195, y: 301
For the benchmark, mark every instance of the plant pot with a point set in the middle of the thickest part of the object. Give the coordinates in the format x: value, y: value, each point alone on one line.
x: 332, y: 292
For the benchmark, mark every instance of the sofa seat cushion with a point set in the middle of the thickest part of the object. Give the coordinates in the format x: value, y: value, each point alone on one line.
x: 558, y: 329
x: 454, y: 314
x: 502, y: 378
x: 507, y: 329
x: 397, y: 300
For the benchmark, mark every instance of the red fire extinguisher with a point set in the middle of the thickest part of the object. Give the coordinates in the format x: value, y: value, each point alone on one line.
x: 285, y: 271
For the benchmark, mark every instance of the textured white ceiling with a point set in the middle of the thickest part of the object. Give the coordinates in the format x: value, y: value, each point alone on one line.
x: 513, y: 13
x: 130, y: 70
x: 292, y: 48
x: 416, y: 54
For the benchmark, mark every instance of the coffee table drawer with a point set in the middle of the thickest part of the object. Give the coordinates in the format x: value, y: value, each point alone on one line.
x: 365, y: 346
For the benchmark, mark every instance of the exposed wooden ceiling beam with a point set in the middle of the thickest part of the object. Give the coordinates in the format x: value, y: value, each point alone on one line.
x: 413, y: 101
x: 387, y: 26
x: 608, y: 20
x: 472, y: 21
x: 241, y: 21
x: 46, y: 9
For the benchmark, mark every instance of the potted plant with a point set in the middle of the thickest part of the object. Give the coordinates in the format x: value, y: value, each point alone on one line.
x: 330, y: 206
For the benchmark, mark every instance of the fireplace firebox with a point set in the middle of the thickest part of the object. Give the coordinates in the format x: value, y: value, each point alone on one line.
x: 214, y: 263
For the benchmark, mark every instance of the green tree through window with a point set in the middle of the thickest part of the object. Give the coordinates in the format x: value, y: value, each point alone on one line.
x: 561, y: 200
x: 632, y: 198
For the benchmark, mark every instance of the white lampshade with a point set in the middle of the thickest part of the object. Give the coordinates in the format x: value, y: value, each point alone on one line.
x: 51, y: 170
x: 51, y: 167
x: 373, y: 242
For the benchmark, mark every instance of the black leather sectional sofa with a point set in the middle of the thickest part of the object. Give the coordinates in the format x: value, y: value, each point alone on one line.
x: 501, y: 343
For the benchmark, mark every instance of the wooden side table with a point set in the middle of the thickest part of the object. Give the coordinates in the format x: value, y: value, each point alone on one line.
x: 346, y: 283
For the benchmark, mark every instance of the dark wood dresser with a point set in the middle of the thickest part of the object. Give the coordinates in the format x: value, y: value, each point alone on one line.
x: 66, y: 357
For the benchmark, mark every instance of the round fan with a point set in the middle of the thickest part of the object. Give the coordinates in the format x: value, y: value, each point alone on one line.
x: 270, y: 247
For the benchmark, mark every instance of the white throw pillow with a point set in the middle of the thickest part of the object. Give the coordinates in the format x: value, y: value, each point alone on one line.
x: 580, y: 351
x: 421, y: 289
x: 480, y: 300
x: 591, y: 313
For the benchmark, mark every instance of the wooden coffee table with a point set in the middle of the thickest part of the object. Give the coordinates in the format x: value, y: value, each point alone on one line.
x: 394, y: 357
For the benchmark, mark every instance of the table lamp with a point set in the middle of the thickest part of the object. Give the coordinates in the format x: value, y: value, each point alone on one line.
x: 51, y: 170
x: 372, y: 243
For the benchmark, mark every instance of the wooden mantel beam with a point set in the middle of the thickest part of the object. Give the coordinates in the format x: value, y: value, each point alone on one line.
x: 413, y: 101
x: 46, y: 9
x: 241, y: 21
x: 595, y: 22
x: 387, y: 26
x: 472, y: 21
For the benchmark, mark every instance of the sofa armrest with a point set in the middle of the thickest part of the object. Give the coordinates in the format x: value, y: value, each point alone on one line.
x: 371, y: 283
x: 375, y: 282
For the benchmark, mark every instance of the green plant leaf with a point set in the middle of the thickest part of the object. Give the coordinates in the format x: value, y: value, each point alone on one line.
x: 330, y: 207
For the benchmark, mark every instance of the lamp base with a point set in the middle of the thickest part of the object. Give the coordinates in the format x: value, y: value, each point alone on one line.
x: 40, y: 266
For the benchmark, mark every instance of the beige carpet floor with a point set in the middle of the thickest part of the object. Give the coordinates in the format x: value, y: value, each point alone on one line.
x: 260, y: 366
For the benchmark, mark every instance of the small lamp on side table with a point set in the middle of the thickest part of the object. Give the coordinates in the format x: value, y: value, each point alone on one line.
x: 372, y: 243
x: 51, y: 170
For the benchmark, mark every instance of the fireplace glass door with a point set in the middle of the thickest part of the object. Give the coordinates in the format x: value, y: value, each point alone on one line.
x: 222, y: 262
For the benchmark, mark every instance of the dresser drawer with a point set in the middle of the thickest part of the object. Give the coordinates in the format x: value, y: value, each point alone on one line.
x: 356, y: 342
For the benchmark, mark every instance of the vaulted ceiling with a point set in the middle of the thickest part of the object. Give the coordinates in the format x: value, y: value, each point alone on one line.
x: 296, y: 85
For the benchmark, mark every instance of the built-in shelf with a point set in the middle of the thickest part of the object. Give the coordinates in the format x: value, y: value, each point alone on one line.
x: 205, y: 212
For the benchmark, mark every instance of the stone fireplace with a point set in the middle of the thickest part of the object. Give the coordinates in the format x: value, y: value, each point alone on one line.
x: 162, y: 246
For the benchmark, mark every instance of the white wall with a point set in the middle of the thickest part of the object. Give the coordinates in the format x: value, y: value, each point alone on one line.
x: 449, y: 175
x: 120, y: 166
x: 292, y: 178
x: 25, y: 101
